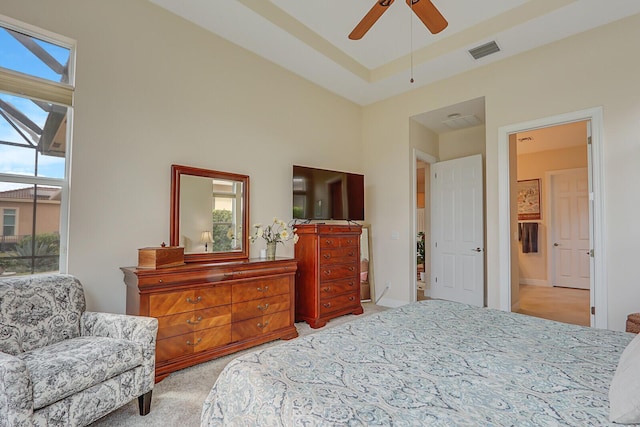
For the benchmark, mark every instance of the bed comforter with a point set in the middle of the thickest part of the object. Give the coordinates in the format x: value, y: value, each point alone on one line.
x: 435, y: 363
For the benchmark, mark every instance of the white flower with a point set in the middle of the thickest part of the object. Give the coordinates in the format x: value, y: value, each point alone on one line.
x: 284, y: 234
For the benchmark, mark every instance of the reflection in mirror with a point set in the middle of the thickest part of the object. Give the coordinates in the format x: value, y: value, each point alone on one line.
x: 209, y: 214
x: 367, y: 289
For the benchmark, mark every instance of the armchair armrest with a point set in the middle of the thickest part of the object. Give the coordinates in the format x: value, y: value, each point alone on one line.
x: 122, y: 326
x: 16, y: 395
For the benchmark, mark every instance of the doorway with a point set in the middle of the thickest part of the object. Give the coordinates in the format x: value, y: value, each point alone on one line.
x: 423, y: 228
x: 507, y: 236
x: 552, y: 216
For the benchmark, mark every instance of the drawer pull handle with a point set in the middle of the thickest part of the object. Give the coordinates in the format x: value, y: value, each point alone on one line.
x: 327, y: 272
x: 194, y: 343
x: 350, y: 241
x: 329, y: 242
x: 327, y: 304
x: 352, y: 253
x: 194, y: 322
x: 160, y: 281
x: 265, y: 289
x: 263, y: 307
x: 351, y: 298
x: 197, y: 300
x: 326, y: 256
x: 327, y: 289
x: 352, y: 268
x: 262, y: 326
x: 351, y: 283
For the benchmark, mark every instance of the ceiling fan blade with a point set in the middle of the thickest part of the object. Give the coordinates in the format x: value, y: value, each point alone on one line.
x: 370, y: 18
x: 429, y: 15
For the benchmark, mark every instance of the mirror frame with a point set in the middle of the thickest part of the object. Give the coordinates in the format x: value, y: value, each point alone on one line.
x: 176, y: 173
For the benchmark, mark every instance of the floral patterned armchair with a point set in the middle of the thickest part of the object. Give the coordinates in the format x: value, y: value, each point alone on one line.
x: 61, y: 365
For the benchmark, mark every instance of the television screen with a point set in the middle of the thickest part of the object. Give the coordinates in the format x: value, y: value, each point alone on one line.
x: 320, y: 194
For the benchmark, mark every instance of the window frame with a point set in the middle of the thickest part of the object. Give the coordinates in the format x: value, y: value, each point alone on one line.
x: 26, y: 86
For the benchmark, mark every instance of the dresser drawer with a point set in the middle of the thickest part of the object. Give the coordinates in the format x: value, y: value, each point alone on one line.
x: 259, y: 289
x: 339, y: 302
x: 182, y: 323
x: 331, y: 289
x: 260, y: 325
x: 260, y: 307
x: 338, y: 271
x: 338, y: 241
x: 162, y: 304
x: 192, y: 342
x: 339, y: 255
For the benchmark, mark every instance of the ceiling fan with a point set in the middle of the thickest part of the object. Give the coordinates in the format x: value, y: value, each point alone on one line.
x: 424, y: 9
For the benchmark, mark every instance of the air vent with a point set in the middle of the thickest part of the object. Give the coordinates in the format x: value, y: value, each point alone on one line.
x: 484, y: 50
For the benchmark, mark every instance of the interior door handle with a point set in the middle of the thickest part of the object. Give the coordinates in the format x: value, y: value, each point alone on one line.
x: 556, y: 244
x: 477, y: 250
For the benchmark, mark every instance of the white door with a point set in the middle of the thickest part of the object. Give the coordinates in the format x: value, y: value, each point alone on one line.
x: 570, y: 235
x: 457, y: 243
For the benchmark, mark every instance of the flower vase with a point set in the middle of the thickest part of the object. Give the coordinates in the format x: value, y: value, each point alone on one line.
x: 271, y: 250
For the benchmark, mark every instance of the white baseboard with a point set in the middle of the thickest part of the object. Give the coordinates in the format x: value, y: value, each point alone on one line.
x: 534, y: 282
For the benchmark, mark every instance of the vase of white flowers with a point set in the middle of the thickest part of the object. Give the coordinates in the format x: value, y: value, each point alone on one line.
x: 276, y: 232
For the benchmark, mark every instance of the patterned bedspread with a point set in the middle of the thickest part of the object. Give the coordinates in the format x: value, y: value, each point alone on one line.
x: 434, y: 363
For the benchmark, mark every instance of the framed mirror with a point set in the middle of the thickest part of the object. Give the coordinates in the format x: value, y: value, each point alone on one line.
x: 367, y: 289
x: 209, y: 214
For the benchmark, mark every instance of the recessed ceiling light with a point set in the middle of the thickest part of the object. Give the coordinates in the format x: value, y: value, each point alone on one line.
x: 457, y: 121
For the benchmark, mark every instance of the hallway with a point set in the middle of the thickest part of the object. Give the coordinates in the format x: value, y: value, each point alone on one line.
x: 562, y: 304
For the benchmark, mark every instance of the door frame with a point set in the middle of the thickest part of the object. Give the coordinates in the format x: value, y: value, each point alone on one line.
x: 551, y: 260
x: 427, y: 158
x: 598, y: 284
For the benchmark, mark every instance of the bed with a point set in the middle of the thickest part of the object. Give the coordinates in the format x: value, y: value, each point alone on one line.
x: 435, y: 363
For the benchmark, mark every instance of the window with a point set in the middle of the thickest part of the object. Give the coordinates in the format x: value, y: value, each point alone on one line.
x: 36, y: 92
x: 226, y: 223
x: 9, y: 222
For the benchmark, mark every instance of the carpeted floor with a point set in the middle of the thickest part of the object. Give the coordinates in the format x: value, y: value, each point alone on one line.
x: 177, y: 400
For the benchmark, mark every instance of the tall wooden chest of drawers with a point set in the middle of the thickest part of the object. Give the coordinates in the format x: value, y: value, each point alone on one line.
x: 328, y: 276
x: 209, y: 310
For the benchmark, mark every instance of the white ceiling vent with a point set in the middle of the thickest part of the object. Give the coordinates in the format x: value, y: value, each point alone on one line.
x: 484, y: 50
x: 457, y: 121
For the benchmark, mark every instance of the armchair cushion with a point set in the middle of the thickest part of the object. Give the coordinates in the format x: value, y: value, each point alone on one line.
x: 70, y: 366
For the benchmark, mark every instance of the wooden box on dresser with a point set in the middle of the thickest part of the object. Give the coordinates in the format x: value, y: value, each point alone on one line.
x: 207, y: 310
x: 328, y: 276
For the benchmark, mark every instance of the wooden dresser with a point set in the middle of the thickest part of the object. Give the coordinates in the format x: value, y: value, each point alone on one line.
x: 209, y: 310
x: 328, y: 276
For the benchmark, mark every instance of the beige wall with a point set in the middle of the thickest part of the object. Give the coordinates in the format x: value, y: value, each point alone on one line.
x: 585, y: 71
x: 533, y: 266
x: 153, y: 90
x: 462, y: 143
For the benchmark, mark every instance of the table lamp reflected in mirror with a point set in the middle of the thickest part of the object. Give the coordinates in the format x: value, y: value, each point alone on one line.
x: 206, y: 237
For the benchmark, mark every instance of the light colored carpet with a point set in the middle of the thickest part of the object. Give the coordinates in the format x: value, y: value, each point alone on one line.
x: 177, y: 400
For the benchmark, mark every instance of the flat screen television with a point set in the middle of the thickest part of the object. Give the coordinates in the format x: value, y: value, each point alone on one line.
x: 320, y: 194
